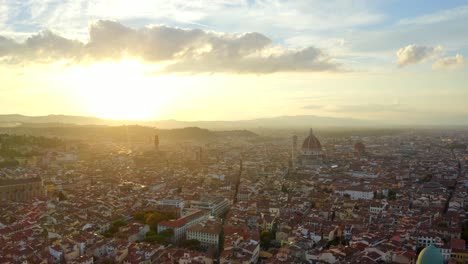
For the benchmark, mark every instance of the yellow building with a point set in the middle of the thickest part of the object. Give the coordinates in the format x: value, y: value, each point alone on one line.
x: 460, y: 255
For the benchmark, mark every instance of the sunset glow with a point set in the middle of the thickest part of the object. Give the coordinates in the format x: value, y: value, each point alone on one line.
x: 185, y: 62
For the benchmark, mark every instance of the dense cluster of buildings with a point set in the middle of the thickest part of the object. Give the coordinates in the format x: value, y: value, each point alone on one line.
x: 383, y: 198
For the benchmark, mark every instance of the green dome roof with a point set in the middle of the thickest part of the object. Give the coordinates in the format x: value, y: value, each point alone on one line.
x: 430, y: 255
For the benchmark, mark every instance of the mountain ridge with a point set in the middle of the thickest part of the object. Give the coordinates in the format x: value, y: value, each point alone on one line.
x: 297, y: 121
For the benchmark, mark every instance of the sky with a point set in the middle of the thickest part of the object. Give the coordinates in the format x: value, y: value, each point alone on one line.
x: 396, y: 61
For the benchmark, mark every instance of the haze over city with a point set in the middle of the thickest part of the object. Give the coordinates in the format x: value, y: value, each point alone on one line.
x: 233, y: 60
x: 233, y: 132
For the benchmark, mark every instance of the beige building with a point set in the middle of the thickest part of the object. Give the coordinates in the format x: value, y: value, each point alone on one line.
x: 207, y: 232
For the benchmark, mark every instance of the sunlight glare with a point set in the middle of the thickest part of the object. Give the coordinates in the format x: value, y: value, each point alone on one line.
x: 123, y: 91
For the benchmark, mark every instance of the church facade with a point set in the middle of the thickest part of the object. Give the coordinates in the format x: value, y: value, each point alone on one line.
x: 21, y: 189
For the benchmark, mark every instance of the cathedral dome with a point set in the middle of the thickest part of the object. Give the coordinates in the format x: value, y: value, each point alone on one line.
x: 430, y: 255
x: 311, y: 142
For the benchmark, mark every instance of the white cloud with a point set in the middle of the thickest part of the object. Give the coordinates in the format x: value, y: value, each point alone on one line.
x: 340, y: 26
x: 287, y: 18
x: 449, y: 63
x: 445, y: 27
x: 3, y: 13
x: 269, y: 16
x: 412, y: 54
x: 185, y: 50
x: 460, y: 12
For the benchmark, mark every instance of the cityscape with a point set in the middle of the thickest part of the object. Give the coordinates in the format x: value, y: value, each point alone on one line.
x: 233, y: 132
x: 244, y: 198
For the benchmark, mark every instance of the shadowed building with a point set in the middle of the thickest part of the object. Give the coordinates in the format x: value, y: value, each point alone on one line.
x: 294, y: 151
x: 156, y: 142
x: 21, y: 189
x: 216, y: 206
x: 207, y: 232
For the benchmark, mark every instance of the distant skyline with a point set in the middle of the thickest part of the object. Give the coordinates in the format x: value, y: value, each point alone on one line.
x: 397, y: 61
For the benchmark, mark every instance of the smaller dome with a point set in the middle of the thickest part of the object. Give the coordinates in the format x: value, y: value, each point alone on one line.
x: 359, y: 147
x: 430, y: 255
x: 311, y: 142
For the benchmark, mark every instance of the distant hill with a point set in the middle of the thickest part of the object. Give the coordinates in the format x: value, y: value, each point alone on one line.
x: 301, y: 121
x: 57, y: 119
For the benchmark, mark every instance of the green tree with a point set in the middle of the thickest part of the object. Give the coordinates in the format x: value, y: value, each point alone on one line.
x: 442, y: 224
x: 9, y: 163
x: 164, y: 237
x: 265, y: 239
x: 114, y: 228
x: 152, y: 218
x: 284, y: 188
x: 62, y: 196
x: 391, y: 195
x: 139, y: 216
x: 465, y: 231
x: 427, y: 178
x: 192, y: 244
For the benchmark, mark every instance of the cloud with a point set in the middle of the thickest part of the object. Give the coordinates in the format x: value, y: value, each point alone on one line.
x: 229, y: 59
x: 449, y: 63
x: 460, y: 12
x: 44, y: 47
x: 47, y: 46
x: 268, y: 16
x: 7, y: 46
x: 4, y: 10
x: 183, y: 50
x: 412, y: 54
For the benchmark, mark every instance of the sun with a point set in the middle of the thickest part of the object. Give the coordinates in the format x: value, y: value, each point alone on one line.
x: 123, y: 91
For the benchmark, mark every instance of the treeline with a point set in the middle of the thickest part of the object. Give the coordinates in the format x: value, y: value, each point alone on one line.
x: 152, y: 219
x: 130, y: 133
x: 8, y: 140
x: 114, y: 227
x: 120, y: 133
x: 23, y: 146
x: 10, y: 163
